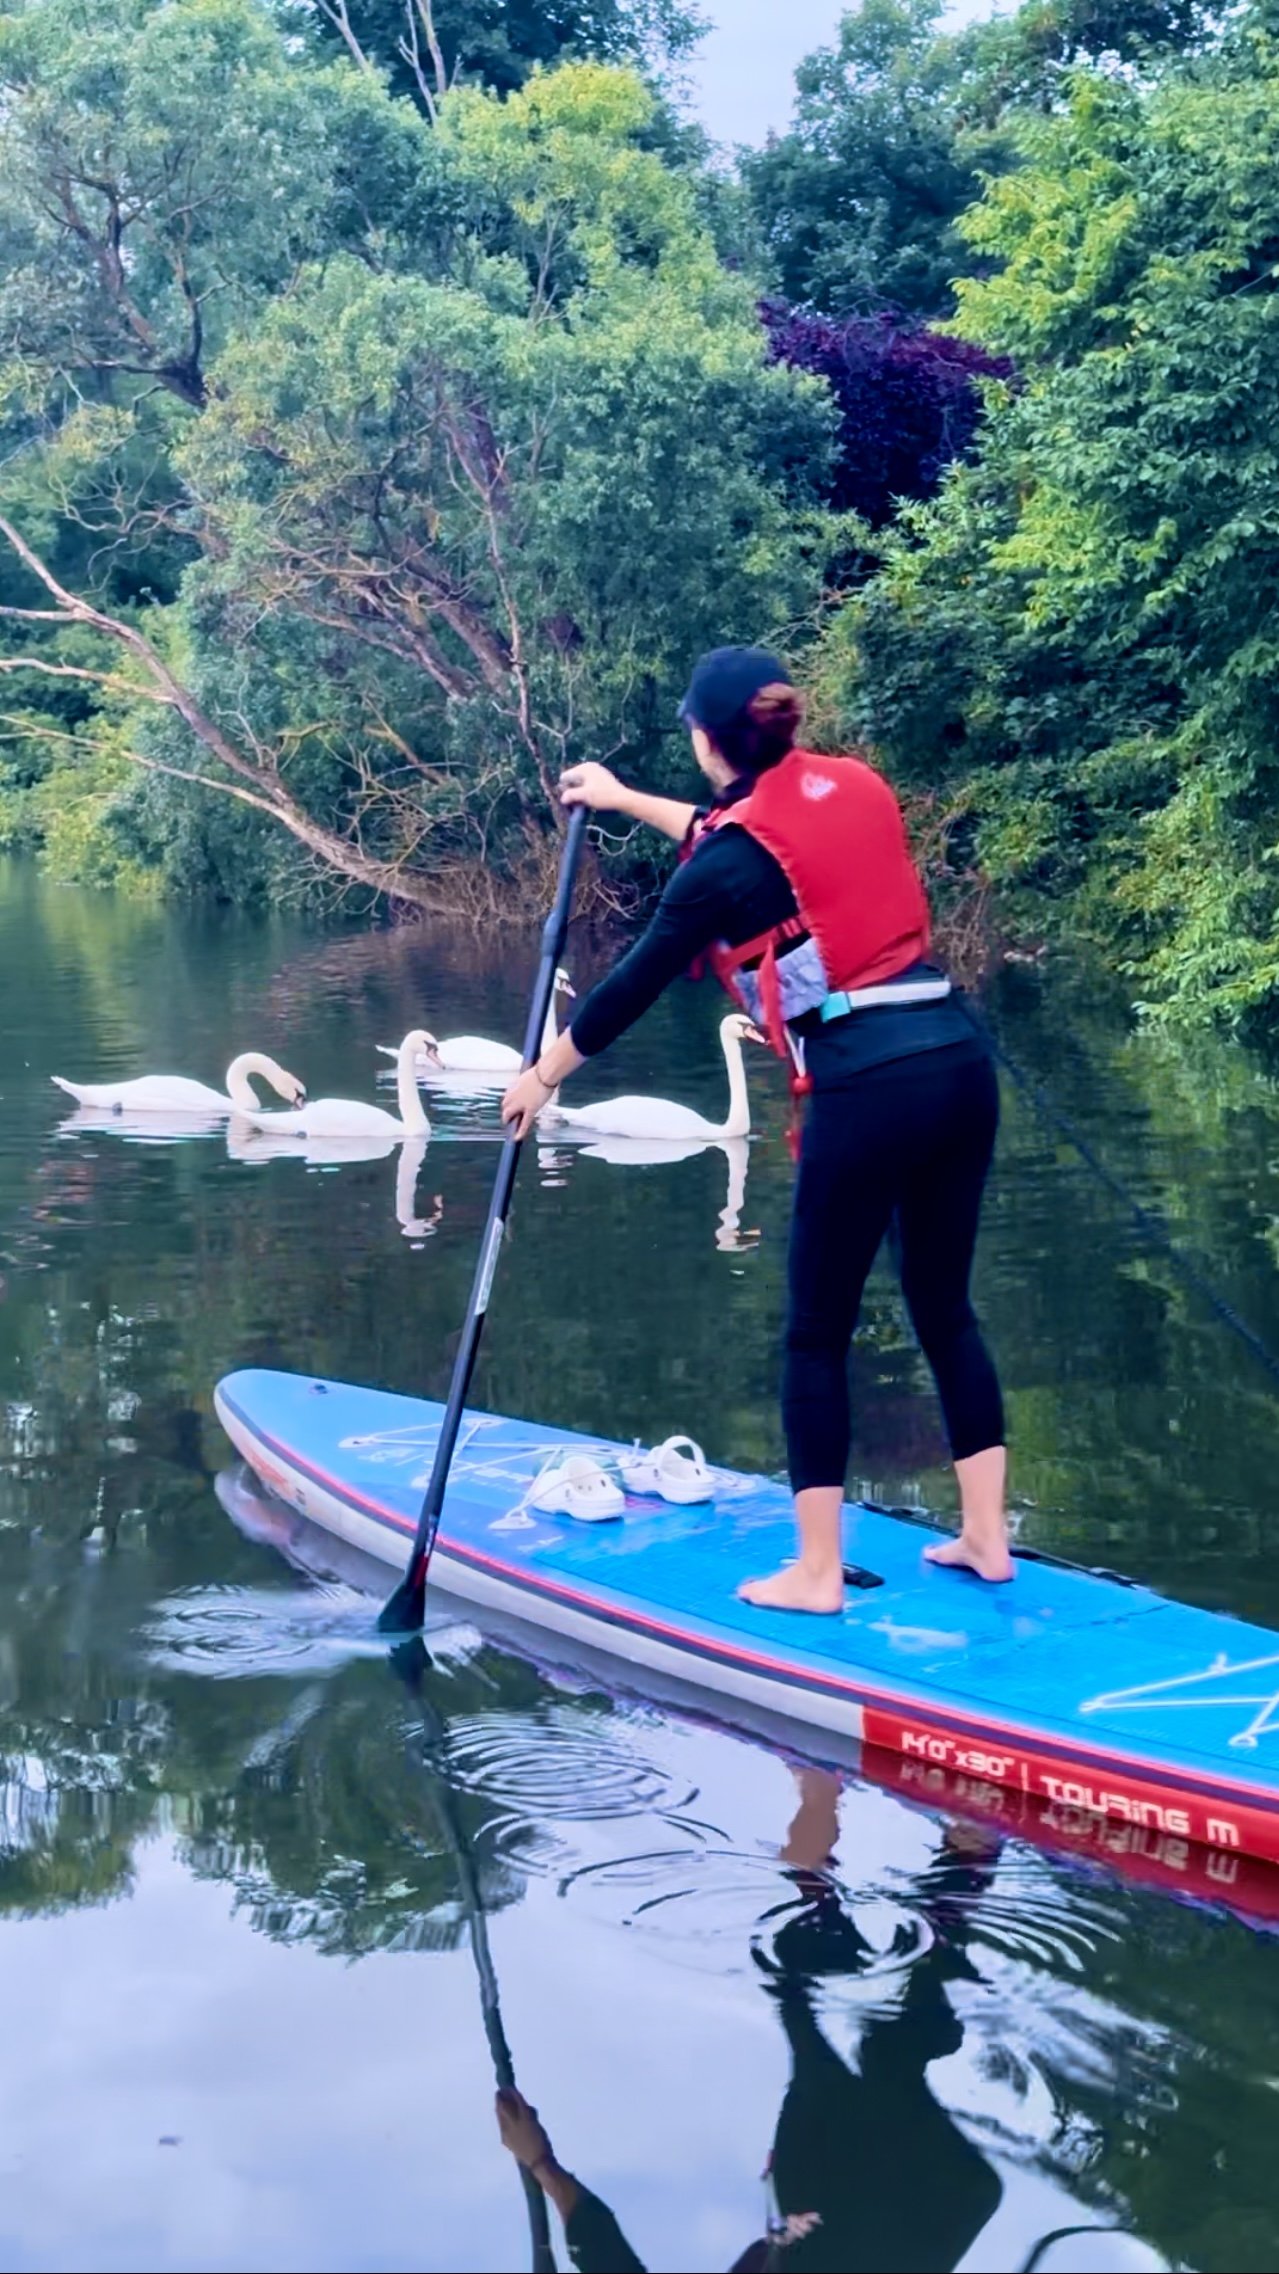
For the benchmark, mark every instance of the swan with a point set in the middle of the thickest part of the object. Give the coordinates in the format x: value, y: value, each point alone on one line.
x: 475, y: 1054
x: 173, y: 1093
x: 659, y: 1117
x: 350, y: 1117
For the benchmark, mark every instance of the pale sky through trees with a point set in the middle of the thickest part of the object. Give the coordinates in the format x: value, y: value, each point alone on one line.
x: 742, y: 79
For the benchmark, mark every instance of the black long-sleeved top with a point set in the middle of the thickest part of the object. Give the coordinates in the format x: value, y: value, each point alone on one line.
x: 733, y: 890
x: 595, y: 2241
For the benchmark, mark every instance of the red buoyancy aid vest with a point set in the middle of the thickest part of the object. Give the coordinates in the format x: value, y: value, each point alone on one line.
x: 836, y: 830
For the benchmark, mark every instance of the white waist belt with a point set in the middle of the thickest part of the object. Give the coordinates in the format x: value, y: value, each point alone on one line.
x: 839, y: 1004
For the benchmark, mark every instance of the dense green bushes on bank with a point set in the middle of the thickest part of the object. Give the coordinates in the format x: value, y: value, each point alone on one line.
x: 1078, y: 642
x: 373, y: 436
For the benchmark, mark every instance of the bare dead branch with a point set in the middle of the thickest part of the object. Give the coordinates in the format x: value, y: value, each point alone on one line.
x: 255, y: 783
x: 407, y: 647
x: 426, y: 15
x: 105, y: 679
x: 337, y: 13
x: 38, y: 615
x: 410, y: 51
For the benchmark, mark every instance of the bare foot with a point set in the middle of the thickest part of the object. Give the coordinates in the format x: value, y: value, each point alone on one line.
x: 795, y: 1589
x: 993, y: 1563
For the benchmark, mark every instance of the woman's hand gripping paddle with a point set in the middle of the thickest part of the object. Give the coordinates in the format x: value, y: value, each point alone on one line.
x: 405, y: 1611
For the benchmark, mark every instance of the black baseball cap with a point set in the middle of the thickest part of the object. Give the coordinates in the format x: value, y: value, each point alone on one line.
x: 725, y: 681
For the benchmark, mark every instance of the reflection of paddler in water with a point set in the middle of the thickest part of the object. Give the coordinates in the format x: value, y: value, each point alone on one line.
x: 868, y: 2169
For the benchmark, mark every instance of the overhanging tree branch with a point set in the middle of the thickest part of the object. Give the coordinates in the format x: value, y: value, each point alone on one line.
x: 254, y: 780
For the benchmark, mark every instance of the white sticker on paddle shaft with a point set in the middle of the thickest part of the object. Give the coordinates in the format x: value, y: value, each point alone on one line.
x: 490, y: 1266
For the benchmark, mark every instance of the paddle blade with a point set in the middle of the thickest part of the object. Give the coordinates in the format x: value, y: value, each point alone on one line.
x: 411, y: 1660
x: 405, y: 1611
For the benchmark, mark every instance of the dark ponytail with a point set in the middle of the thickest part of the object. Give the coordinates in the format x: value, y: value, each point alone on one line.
x: 765, y: 732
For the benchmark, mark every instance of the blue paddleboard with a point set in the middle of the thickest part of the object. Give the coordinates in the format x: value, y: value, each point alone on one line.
x: 1079, y: 1691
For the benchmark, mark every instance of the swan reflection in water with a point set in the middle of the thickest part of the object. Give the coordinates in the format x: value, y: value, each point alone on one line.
x: 144, y: 1128
x: 253, y: 1146
x: 869, y: 2169
x: 653, y: 1152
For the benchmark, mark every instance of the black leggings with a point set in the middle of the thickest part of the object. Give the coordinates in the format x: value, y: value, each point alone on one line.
x: 913, y: 1138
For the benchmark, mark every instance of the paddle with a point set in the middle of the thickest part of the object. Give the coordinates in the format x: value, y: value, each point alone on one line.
x: 405, y: 1611
x: 412, y: 1663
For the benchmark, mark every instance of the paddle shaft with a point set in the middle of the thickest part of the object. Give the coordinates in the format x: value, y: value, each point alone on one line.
x: 405, y: 1611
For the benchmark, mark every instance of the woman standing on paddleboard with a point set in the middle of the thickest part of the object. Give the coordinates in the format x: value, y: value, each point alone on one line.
x: 798, y: 884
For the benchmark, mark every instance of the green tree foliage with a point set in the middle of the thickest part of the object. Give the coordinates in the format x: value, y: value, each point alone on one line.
x: 451, y: 442
x: 1079, y: 637
x: 428, y: 46
x: 860, y: 205
x: 1025, y: 61
x: 364, y: 456
x: 167, y: 171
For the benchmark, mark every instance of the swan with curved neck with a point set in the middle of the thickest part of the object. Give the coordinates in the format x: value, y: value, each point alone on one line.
x: 173, y: 1093
x: 661, y: 1117
x: 350, y: 1117
x: 476, y: 1054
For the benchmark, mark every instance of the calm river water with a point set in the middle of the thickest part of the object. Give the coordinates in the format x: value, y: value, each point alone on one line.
x: 241, y: 2026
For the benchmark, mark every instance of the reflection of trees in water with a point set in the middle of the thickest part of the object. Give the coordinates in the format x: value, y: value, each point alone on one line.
x: 328, y: 1833
x: 897, y: 1428
x: 320, y: 1819
x: 81, y: 1366
x: 311, y: 1799
x: 163, y: 1266
x: 84, y: 1745
x: 78, y: 1791
x: 321, y: 1824
x: 76, y: 1856
x: 1139, y: 1418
